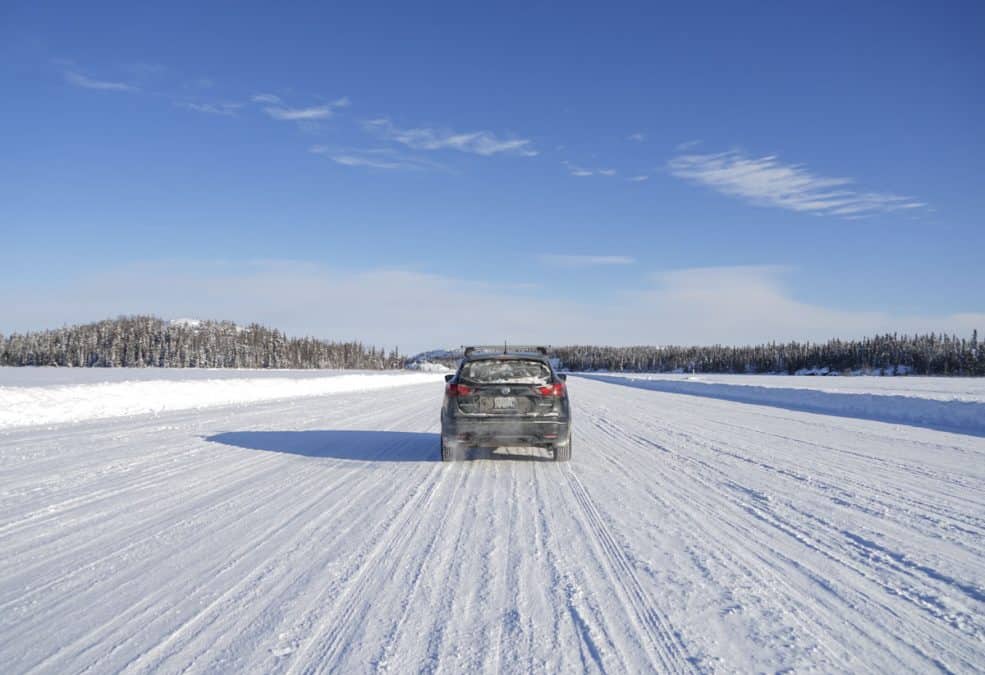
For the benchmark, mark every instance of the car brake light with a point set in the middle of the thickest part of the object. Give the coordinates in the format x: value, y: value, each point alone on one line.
x: 556, y: 389
x: 458, y: 389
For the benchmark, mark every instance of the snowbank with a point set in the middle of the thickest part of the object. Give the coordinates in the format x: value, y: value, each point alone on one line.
x: 941, y: 388
x: 429, y: 367
x: 962, y: 416
x: 27, y: 405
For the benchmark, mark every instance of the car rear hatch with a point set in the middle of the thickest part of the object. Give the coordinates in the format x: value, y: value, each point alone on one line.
x: 507, y: 387
x: 503, y: 399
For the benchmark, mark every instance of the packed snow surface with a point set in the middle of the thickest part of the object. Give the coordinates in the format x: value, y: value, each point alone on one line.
x: 141, y: 391
x: 322, y: 534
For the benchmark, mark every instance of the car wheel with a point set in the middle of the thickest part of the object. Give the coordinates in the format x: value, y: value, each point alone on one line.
x: 562, y: 453
x: 451, y: 452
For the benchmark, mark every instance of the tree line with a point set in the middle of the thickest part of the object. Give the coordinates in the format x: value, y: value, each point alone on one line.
x: 891, y: 354
x: 148, y: 341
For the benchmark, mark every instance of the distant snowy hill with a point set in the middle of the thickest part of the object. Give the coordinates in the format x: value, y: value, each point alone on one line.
x: 446, y: 359
x: 148, y: 341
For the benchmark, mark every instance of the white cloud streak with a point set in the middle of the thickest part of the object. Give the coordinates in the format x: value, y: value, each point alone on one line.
x: 79, y: 80
x: 374, y: 158
x: 483, y: 143
x: 362, y: 160
x: 766, y: 181
x: 278, y: 111
x: 581, y: 171
x: 639, y: 137
x: 299, y: 114
x: 227, y: 109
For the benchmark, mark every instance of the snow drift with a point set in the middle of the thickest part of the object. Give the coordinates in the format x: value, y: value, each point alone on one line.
x: 962, y: 416
x: 25, y: 406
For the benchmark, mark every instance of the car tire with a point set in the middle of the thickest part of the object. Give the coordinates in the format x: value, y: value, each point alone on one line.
x: 451, y: 453
x: 562, y: 453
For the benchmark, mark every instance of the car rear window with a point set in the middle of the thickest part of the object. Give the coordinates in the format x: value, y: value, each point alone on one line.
x: 512, y: 371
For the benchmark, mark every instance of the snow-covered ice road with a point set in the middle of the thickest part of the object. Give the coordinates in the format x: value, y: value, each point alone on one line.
x: 687, y: 535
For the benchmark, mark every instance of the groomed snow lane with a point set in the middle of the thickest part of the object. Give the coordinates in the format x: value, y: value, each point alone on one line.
x: 322, y: 534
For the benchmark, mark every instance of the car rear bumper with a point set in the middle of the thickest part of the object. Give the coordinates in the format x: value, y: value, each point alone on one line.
x: 484, y: 431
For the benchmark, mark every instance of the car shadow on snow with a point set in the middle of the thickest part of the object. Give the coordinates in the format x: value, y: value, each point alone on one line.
x: 359, y: 445
x: 366, y: 446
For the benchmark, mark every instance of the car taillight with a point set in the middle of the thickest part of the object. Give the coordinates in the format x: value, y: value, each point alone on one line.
x: 556, y: 389
x: 458, y: 389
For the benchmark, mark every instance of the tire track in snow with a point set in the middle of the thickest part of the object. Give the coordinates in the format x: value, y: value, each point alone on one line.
x: 246, y: 468
x: 742, y: 537
x: 827, y: 549
x: 508, y: 578
x: 929, y: 503
x: 685, y: 503
x: 323, y: 646
x: 453, y: 561
x: 828, y: 541
x: 421, y: 561
x: 252, y: 581
x: 149, y: 606
x: 288, y: 566
x: 670, y: 650
x: 586, y: 619
x: 114, y: 534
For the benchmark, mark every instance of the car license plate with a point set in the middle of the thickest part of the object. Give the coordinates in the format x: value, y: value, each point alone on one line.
x: 504, y: 403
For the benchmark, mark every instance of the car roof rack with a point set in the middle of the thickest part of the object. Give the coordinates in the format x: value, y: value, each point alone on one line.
x: 505, y: 349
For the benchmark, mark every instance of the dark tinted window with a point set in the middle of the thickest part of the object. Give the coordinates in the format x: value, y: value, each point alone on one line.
x: 512, y: 371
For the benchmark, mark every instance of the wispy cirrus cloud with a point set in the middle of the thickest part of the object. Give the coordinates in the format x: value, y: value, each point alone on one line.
x: 639, y: 137
x: 278, y: 111
x: 295, y: 114
x: 581, y: 171
x: 483, y: 143
x: 767, y: 181
x: 299, y: 114
x: 638, y: 179
x: 77, y: 79
x: 577, y: 170
x: 563, y: 260
x: 228, y: 109
x: 367, y: 161
x: 372, y: 158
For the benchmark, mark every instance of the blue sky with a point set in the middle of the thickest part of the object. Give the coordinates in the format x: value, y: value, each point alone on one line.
x: 431, y: 174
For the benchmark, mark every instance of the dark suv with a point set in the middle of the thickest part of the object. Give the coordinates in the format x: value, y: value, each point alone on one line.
x: 505, y: 398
